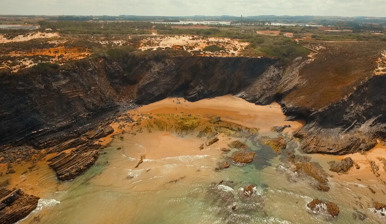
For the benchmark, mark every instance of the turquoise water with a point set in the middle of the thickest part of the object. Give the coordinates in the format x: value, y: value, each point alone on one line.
x: 186, y: 189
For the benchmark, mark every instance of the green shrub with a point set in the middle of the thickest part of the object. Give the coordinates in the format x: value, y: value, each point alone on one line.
x: 213, y: 48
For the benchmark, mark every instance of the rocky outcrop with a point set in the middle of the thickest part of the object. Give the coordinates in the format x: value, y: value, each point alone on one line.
x: 304, y: 166
x: 280, y: 128
x: 277, y: 144
x: 46, y: 105
x: 212, y: 141
x: 339, y: 98
x: 68, y: 165
x: 343, y: 166
x: 222, y: 165
x: 243, y: 157
x: 379, y: 206
x: 15, y: 205
x: 324, y: 207
x: 352, y: 125
x: 238, y: 145
x: 235, y: 206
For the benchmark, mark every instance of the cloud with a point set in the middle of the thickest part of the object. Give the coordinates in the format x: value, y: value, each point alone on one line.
x: 195, y: 7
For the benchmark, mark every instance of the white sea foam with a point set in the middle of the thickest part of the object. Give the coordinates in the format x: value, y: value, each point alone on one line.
x: 44, y: 203
x: 139, y: 145
x: 134, y: 173
x: 225, y: 188
x: 273, y: 220
x: 186, y: 159
x: 147, y: 160
x: 128, y: 157
x: 307, y: 198
x: 381, y: 212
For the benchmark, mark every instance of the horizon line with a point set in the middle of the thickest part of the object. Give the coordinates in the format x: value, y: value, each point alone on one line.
x: 85, y: 15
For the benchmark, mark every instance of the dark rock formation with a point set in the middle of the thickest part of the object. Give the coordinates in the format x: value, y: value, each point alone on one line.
x: 70, y: 165
x: 212, y: 141
x: 15, y: 205
x: 350, y: 125
x: 280, y: 128
x: 324, y: 207
x: 225, y: 150
x: 45, y: 106
x: 374, y: 168
x: 140, y: 161
x: 343, y: 166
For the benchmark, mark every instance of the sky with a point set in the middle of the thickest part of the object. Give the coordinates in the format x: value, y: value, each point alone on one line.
x: 376, y: 8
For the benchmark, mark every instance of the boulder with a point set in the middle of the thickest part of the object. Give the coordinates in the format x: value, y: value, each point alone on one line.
x: 243, y: 157
x: 212, y: 141
x: 238, y: 145
x: 343, y: 166
x: 249, y: 190
x: 324, y: 207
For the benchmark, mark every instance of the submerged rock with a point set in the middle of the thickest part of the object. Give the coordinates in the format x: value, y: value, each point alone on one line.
x: 222, y: 165
x: 280, y: 128
x: 303, y: 165
x: 374, y: 168
x: 140, y: 161
x: 277, y: 144
x: 225, y: 150
x: 212, y: 141
x: 243, y: 157
x: 324, y: 207
x: 15, y: 205
x: 238, y: 145
x: 359, y: 215
x: 232, y: 206
x: 343, y: 166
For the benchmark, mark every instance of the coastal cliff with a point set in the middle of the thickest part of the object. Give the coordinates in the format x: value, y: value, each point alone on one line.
x: 336, y: 93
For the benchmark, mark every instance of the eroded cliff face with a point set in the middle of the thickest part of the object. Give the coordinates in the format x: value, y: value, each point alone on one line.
x: 337, y: 94
x: 341, y: 99
x: 350, y: 125
x: 45, y: 106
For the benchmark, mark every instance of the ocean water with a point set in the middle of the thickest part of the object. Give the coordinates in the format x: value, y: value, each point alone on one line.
x: 182, y: 186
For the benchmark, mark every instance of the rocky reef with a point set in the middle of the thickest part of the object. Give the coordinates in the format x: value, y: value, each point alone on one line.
x: 323, y: 207
x: 342, y: 166
x: 15, y: 205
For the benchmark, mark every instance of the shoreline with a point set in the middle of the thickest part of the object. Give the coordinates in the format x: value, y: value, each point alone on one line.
x: 164, y: 147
